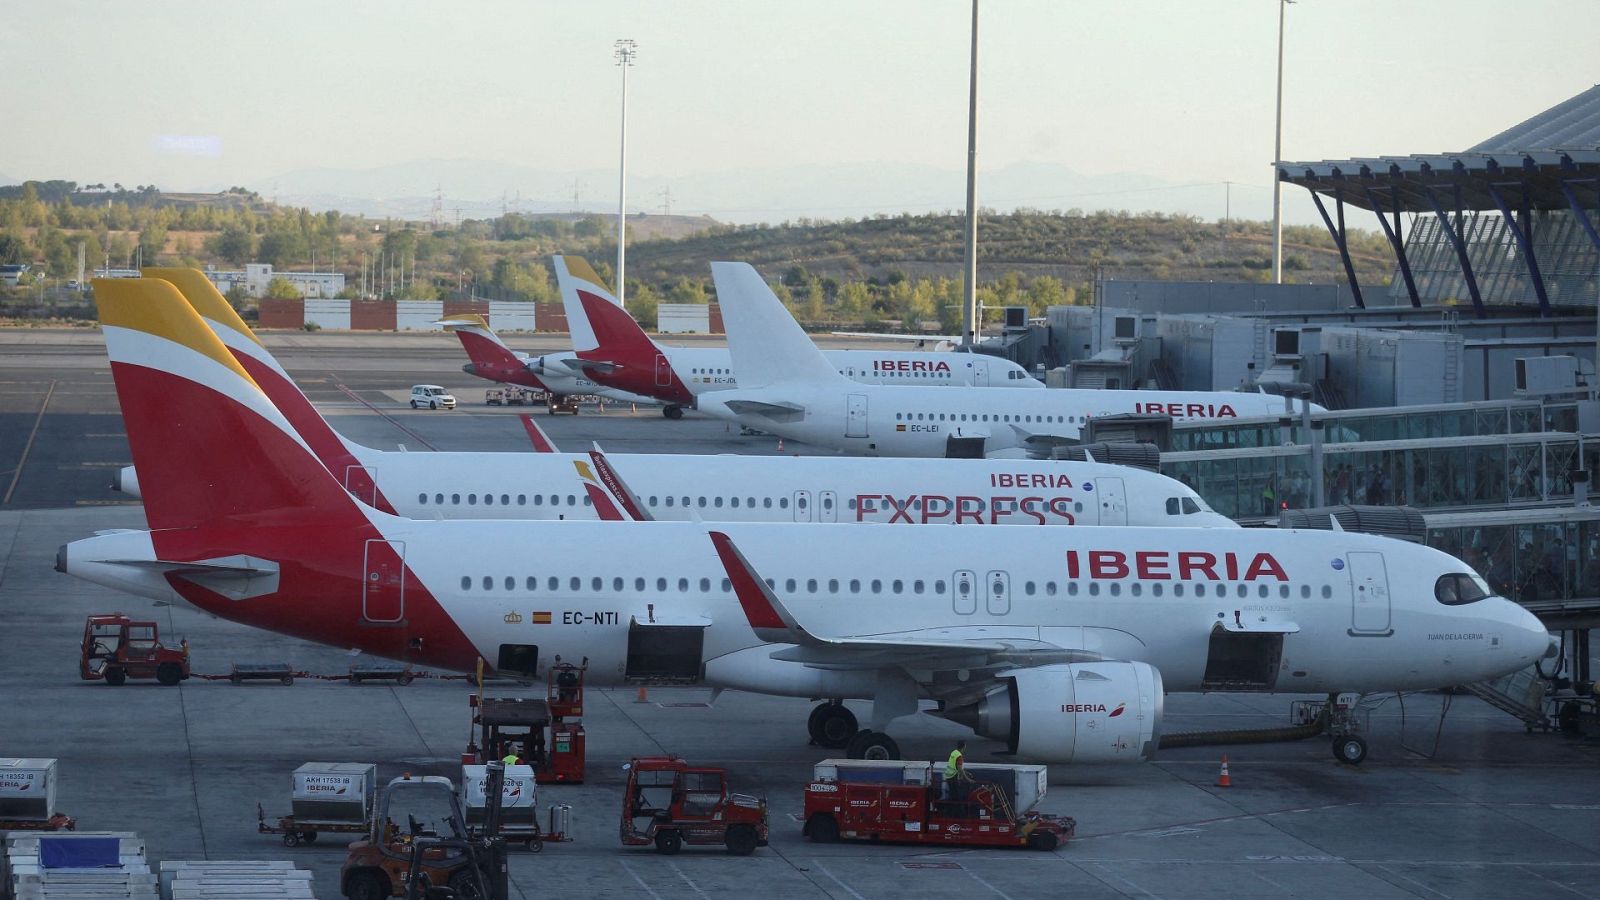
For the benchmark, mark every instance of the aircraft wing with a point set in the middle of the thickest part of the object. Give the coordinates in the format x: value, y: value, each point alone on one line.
x: 941, y: 342
x: 775, y: 623
x: 1042, y: 443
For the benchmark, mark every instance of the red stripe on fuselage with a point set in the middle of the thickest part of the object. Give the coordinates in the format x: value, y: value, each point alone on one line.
x: 315, y: 431
x: 218, y: 480
x: 641, y: 367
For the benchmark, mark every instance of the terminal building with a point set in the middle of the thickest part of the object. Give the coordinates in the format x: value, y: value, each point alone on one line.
x: 255, y: 277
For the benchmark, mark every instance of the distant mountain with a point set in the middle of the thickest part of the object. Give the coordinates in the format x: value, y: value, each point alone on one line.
x: 479, y: 188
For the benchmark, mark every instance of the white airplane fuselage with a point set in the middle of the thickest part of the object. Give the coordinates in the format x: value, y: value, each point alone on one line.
x: 919, y: 422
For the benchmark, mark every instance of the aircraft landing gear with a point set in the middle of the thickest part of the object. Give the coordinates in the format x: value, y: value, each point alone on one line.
x: 1350, y: 749
x: 832, y: 725
x: 872, y: 745
x: 672, y: 412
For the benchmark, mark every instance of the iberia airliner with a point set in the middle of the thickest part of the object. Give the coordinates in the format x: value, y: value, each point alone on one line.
x: 1058, y: 642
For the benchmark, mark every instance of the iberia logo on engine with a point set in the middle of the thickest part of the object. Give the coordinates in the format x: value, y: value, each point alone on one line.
x: 1092, y: 708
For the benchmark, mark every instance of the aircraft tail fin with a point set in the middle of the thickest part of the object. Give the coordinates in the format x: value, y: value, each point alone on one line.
x: 541, y: 441
x: 208, y: 444
x: 766, y: 343
x: 342, y: 458
x: 574, y: 278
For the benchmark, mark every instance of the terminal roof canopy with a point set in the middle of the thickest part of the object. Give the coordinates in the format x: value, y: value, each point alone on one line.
x: 1529, y: 162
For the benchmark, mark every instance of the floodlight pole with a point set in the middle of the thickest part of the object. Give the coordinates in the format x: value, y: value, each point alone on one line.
x: 971, y: 323
x: 623, y: 51
x: 1277, y: 157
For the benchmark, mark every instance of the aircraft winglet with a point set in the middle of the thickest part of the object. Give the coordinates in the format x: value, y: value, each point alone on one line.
x: 768, y: 617
x: 541, y: 441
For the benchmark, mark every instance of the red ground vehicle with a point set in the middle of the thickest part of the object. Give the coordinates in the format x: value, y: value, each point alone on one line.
x: 116, y: 648
x: 419, y: 837
x: 670, y: 803
x: 905, y: 802
x: 548, y: 734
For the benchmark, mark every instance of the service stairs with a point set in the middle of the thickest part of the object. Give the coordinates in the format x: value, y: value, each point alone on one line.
x: 1519, y: 694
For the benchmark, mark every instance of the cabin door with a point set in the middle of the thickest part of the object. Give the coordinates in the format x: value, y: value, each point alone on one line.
x: 1369, y: 593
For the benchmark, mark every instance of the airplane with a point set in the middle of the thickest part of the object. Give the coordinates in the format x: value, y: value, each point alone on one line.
x: 471, y: 485
x: 788, y: 389
x: 494, y: 361
x: 1060, y: 643
x: 612, y: 349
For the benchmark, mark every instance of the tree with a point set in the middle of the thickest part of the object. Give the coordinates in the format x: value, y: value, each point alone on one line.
x: 234, y: 245
x: 238, y: 295
x: 13, y: 250
x: 283, y: 248
x: 687, y: 291
x: 642, y: 303
x: 282, y: 289
x: 152, y: 242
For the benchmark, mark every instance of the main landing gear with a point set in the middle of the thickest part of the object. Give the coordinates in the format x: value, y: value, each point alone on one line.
x: 834, y: 726
x: 672, y: 411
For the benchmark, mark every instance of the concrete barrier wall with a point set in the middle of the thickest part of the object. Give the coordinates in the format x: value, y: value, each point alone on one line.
x: 333, y: 314
x: 418, y: 315
x: 512, y: 315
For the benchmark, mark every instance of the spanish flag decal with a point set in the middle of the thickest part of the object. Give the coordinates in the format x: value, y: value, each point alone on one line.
x: 900, y: 428
x: 541, y: 618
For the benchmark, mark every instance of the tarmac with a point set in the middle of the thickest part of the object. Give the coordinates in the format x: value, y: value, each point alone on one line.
x: 1477, y: 808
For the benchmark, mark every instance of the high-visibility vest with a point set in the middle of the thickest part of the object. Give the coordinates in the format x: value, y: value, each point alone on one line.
x: 952, y: 767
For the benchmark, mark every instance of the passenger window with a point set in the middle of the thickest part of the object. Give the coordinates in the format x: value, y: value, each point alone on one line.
x: 916, y: 586
x: 766, y: 502
x: 522, y: 499
x: 505, y: 499
x: 833, y: 585
x: 1199, y: 590
x: 422, y: 499
x: 538, y: 499
x: 455, y: 499
x: 726, y: 585
x: 472, y: 499
x: 1116, y: 589
x: 1155, y: 589
x: 827, y: 503
x: 488, y: 583
x: 1134, y: 589
x: 705, y: 585
x: 1283, y: 591
x: 899, y: 586
x: 1072, y: 589
x: 1049, y: 588
x: 511, y: 583
x: 800, y: 502
x: 734, y: 502
x: 616, y: 585
x: 638, y: 585
x: 877, y: 586
x: 1094, y: 588
x: 466, y: 582
x: 855, y: 585
x: 1177, y: 590
x: 553, y: 583
x: 575, y: 583
x: 811, y: 585
x: 1027, y: 588
x: 702, y: 502
x: 531, y: 584
x: 783, y: 502
x: 788, y: 586
x: 1263, y: 591
x: 1327, y: 591
x: 488, y: 499
x: 683, y: 585
x: 669, y: 502
x: 717, y: 502
x: 661, y: 585
x: 438, y: 498
x: 1305, y: 591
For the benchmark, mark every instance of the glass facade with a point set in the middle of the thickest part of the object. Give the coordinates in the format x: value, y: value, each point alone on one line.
x: 1530, y: 563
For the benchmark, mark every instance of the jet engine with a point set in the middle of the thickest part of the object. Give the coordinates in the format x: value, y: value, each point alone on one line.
x: 1089, y: 712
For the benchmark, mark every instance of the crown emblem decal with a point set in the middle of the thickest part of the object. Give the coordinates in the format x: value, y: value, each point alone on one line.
x: 513, y: 618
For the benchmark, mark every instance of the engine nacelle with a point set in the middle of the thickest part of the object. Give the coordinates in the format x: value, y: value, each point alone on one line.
x: 1089, y: 712
x: 127, y: 481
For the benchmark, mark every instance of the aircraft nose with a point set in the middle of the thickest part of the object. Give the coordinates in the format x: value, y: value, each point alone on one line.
x: 1528, y: 638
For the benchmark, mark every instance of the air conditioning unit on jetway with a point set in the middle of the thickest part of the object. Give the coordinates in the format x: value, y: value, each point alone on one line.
x: 1544, y: 376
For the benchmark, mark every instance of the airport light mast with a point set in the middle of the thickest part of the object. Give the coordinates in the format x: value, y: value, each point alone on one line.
x: 624, y: 50
x: 971, y: 322
x: 1277, y: 157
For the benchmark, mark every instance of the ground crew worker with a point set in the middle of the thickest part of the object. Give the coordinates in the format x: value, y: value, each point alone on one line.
x: 955, y: 770
x: 511, y: 757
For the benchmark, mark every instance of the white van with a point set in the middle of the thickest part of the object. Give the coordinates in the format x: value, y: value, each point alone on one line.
x: 432, y: 396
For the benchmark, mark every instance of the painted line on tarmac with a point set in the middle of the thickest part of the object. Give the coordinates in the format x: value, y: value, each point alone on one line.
x: 391, y: 419
x: 1106, y: 876
x: 1002, y: 894
x: 647, y: 889
x: 1552, y: 882
x: 674, y: 867
x: 22, y: 460
x: 817, y: 864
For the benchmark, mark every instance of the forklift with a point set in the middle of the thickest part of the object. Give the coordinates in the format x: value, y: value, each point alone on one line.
x: 433, y: 857
x: 116, y: 648
x: 669, y: 803
x: 548, y: 733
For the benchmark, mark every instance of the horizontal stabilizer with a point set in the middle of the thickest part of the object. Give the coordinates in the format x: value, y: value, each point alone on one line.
x: 777, y: 412
x: 595, y: 365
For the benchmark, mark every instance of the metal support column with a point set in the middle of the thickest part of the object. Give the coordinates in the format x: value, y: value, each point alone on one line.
x: 1524, y: 243
x: 1393, y: 234
x: 1339, y: 241
x: 1454, y: 235
x: 1581, y: 214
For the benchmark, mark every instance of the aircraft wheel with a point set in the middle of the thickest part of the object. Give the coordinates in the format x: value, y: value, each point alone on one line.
x: 1350, y: 750
x: 672, y: 412
x: 116, y: 677
x: 872, y: 745
x: 169, y: 674
x: 834, y: 725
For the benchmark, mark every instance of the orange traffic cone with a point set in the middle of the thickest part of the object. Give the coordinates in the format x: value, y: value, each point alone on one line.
x: 780, y: 445
x: 642, y: 698
x: 1222, y: 777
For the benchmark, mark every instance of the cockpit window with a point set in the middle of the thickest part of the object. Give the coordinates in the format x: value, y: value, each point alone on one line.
x: 1189, y: 506
x: 1457, y: 588
x: 1172, y: 506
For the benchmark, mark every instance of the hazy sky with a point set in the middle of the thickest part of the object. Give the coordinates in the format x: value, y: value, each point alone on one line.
x: 1181, y: 89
